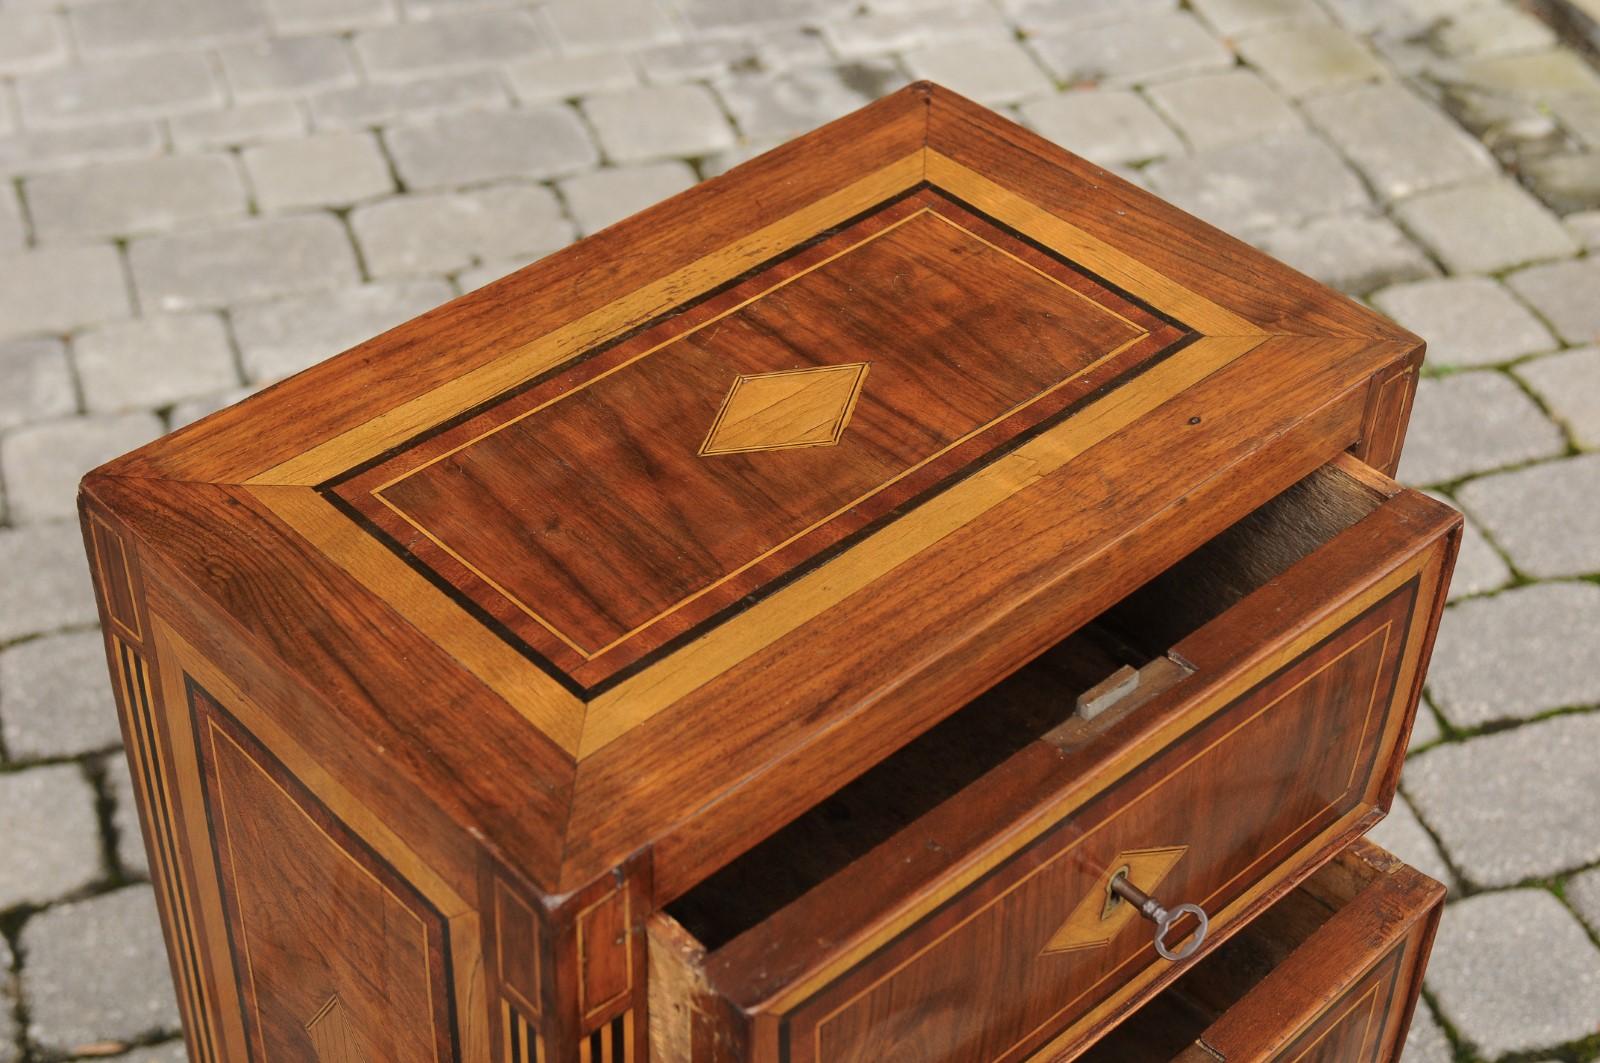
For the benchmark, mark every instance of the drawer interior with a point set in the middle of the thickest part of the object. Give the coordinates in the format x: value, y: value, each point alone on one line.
x: 1073, y: 692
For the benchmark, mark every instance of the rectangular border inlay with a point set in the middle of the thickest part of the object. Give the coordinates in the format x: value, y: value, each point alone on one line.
x: 589, y: 672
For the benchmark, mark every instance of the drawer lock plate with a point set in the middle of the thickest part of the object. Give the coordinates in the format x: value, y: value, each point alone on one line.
x: 1100, y: 915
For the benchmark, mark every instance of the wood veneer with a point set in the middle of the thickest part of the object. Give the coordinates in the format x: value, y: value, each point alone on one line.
x: 530, y: 616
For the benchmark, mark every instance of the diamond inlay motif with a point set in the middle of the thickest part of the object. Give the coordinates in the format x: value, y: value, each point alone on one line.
x: 781, y: 411
x: 1100, y: 915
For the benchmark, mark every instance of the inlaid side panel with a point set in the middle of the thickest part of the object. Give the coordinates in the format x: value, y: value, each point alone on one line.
x: 984, y: 978
x: 118, y: 580
x: 151, y: 780
x: 338, y: 958
x: 522, y: 1043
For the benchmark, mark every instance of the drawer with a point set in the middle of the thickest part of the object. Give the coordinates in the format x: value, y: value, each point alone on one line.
x: 1329, y: 974
x: 1215, y: 737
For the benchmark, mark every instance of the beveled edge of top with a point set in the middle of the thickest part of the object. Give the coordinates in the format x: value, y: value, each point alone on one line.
x: 256, y: 450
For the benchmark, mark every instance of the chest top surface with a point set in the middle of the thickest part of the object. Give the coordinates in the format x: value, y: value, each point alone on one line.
x: 749, y: 467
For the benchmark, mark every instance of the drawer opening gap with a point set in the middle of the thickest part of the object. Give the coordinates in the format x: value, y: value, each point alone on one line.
x: 1115, y: 664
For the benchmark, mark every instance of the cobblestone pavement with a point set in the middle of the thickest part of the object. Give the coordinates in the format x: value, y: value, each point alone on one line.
x: 202, y: 196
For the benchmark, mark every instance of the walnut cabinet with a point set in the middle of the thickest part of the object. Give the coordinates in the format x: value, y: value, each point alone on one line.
x: 839, y: 614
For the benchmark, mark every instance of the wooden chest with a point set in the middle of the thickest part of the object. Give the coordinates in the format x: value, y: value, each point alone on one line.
x: 802, y: 622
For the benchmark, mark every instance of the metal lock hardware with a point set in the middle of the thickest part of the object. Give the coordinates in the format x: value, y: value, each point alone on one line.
x: 1120, y: 887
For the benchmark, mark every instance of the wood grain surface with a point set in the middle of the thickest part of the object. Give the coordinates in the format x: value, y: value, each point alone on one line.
x: 520, y: 621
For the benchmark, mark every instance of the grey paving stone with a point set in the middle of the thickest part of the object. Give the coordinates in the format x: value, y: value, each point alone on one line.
x: 287, y: 66
x: 478, y: 276
x: 249, y: 123
x: 736, y: 15
x: 325, y: 170
x: 1425, y: 1041
x: 1307, y: 58
x: 775, y: 108
x: 1403, y: 834
x: 1543, y: 516
x: 1569, y: 386
x: 43, y: 462
x: 55, y: 289
x: 1567, y: 294
x: 135, y: 87
x: 790, y: 48
x: 35, y: 381
x: 1355, y: 253
x: 156, y: 25
x: 97, y: 971
x: 1585, y: 228
x: 30, y: 41
x: 447, y: 232
x: 482, y: 146
x: 13, y: 231
x: 1485, y: 227
x: 153, y: 361
x: 54, y: 697
x: 604, y: 196
x: 285, y: 336
x: 1568, y: 182
x: 1036, y: 15
x: 547, y: 78
x: 166, y: 1052
x: 1213, y: 110
x: 1487, y: 30
x: 1403, y: 144
x: 44, y: 580
x: 1231, y: 17
x: 257, y: 259
x: 50, y: 833
x: 639, y: 125
x: 1516, y: 654
x: 131, y: 853
x: 1140, y: 49
x: 609, y: 25
x: 1579, y: 115
x: 1543, y: 76
x: 1514, y: 970
x: 1583, y: 893
x: 991, y: 72
x: 10, y: 1036
x: 363, y: 106
x: 329, y: 16
x: 191, y: 410
x: 877, y: 33
x: 125, y: 198
x: 1498, y: 829
x: 39, y: 150
x: 456, y: 42
x: 1107, y: 126
x: 1425, y: 730
x: 1479, y: 566
x: 1469, y: 423
x: 1261, y: 183
x: 1467, y: 321
x: 695, y: 60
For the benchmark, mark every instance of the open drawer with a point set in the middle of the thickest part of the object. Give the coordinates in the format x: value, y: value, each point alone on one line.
x: 1212, y: 739
x: 1329, y: 974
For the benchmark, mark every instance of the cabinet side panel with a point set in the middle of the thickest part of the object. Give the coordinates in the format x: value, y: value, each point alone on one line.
x: 135, y: 682
x: 338, y: 958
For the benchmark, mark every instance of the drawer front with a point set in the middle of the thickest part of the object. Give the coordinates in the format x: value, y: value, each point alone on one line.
x: 1347, y: 994
x: 1249, y: 794
x: 1353, y: 1028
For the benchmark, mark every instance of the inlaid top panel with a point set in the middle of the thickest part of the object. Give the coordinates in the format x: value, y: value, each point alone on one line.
x: 659, y: 483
